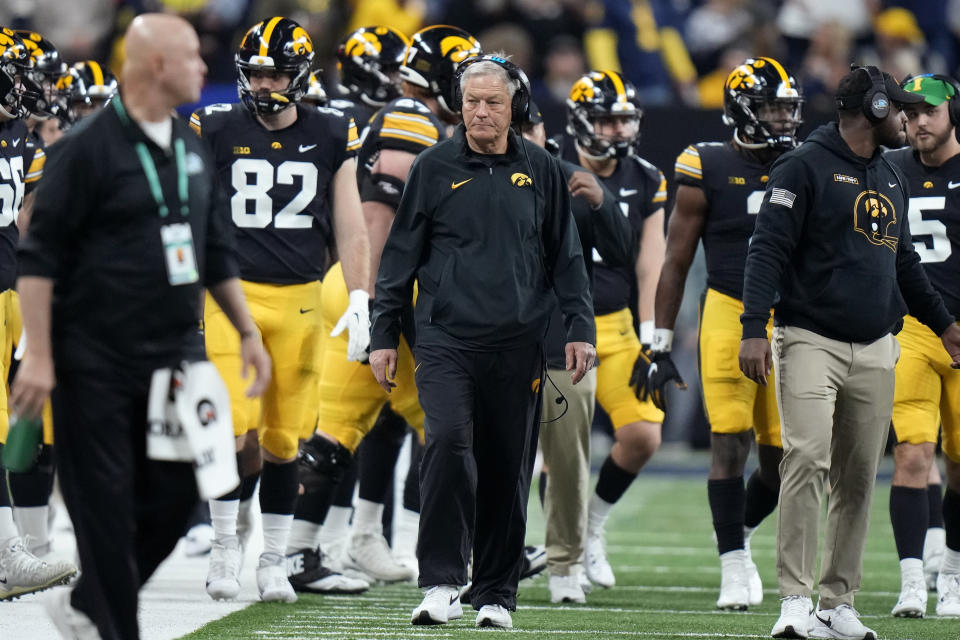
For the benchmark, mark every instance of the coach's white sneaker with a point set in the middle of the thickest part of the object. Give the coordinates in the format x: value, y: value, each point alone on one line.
x: 369, y: 552
x: 21, y: 572
x: 595, y: 560
x: 948, y: 595
x: 223, y: 576
x: 72, y: 624
x: 934, y: 543
x: 494, y: 615
x: 794, y: 621
x: 566, y: 589
x: 272, y: 579
x: 913, y: 598
x: 843, y: 623
x: 734, y: 588
x: 440, y: 605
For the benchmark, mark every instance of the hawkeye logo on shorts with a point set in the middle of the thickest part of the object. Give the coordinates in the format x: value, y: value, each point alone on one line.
x: 520, y: 180
x: 873, y: 216
x: 841, y: 177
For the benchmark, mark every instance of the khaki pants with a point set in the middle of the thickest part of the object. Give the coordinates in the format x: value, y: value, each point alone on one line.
x: 835, y: 400
x: 566, y: 452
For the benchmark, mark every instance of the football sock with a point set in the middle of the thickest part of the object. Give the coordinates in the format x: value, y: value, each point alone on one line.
x: 276, y: 532
x: 223, y: 517
x: 378, y: 452
x: 407, y: 530
x: 367, y: 517
x: 935, y: 499
x: 34, y: 522
x: 343, y: 496
x: 247, y: 486
x: 951, y: 561
x: 727, y: 498
x: 911, y: 569
x: 278, y: 497
x: 598, y: 510
x: 303, y: 535
x: 613, y: 481
x: 908, y: 515
x: 336, y: 525
x: 951, y: 521
x: 760, y: 500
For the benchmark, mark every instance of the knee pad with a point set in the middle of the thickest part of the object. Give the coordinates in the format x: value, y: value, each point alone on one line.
x: 322, y: 463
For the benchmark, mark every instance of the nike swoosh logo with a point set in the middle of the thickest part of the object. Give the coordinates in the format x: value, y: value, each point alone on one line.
x: 828, y: 621
x: 892, y: 185
x: 624, y: 332
x: 302, y: 310
x: 16, y: 141
x: 457, y: 185
x: 306, y: 147
x: 417, y: 367
x: 454, y: 599
x: 627, y: 192
x: 953, y: 185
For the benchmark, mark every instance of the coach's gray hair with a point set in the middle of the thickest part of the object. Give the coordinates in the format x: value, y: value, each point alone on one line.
x: 489, y: 68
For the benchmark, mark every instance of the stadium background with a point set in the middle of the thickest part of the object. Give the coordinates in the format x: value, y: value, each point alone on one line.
x: 677, y: 53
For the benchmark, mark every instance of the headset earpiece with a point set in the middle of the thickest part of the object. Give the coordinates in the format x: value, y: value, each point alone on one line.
x: 519, y: 106
x: 876, y: 103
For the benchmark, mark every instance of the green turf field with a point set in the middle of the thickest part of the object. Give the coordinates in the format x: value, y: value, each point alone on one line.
x: 659, y: 541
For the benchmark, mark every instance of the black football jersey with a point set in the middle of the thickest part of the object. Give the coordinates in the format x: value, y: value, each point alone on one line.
x: 278, y: 185
x: 733, y: 184
x: 934, y: 218
x: 405, y: 124
x: 641, y: 190
x: 20, y: 157
x: 354, y: 108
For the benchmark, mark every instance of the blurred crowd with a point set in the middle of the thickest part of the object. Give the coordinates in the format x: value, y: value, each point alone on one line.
x: 674, y: 51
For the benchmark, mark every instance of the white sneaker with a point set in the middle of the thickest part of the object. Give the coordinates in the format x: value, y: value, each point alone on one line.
x: 585, y: 583
x: 198, y: 541
x: 307, y: 574
x: 595, y: 562
x: 223, y: 576
x: 842, y: 622
x: 734, y: 589
x: 72, y: 624
x: 370, y: 553
x: 21, y: 572
x: 494, y: 615
x: 440, y: 605
x: 336, y: 559
x: 948, y: 595
x: 934, y: 542
x: 913, y: 599
x: 411, y: 563
x: 566, y: 589
x: 272, y: 579
x: 794, y: 621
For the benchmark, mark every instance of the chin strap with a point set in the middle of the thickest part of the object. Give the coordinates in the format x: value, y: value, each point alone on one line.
x: 747, y: 145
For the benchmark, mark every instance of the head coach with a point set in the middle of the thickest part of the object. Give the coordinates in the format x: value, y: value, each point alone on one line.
x: 485, y: 228
x: 832, y: 253
x: 126, y: 233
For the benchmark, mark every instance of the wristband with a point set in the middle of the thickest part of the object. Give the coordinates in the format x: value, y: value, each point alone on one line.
x: 662, y: 339
x: 646, y: 332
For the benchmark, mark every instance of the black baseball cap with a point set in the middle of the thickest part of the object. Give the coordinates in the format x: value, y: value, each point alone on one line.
x: 854, y: 87
x: 533, y: 114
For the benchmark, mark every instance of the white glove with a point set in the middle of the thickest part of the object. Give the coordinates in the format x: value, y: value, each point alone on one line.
x: 356, y: 319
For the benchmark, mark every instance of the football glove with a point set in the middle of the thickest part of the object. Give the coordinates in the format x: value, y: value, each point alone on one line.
x: 660, y: 371
x: 356, y: 319
x: 638, y: 377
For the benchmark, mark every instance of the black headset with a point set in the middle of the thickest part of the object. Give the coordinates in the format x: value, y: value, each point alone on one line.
x: 874, y: 103
x: 953, y: 102
x: 519, y: 106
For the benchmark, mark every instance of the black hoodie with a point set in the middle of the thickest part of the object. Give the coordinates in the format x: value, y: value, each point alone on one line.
x: 832, y: 241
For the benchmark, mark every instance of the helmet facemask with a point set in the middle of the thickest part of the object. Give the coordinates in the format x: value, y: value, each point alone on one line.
x: 767, y: 123
x: 275, y: 101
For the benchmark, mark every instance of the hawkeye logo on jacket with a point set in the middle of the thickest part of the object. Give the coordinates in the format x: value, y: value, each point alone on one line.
x: 520, y: 180
x: 873, y: 215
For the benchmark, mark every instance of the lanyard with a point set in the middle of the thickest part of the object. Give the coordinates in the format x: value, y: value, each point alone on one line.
x: 150, y: 169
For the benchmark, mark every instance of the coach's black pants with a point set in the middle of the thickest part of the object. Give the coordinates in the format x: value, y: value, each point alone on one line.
x: 128, y: 512
x: 482, y: 420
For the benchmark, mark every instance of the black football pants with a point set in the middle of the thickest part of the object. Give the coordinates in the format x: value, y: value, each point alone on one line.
x: 128, y: 512
x: 482, y: 421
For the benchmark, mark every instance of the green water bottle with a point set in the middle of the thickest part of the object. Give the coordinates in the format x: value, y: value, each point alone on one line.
x: 23, y: 444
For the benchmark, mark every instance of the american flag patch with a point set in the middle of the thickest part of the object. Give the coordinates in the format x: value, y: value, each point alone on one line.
x: 782, y: 197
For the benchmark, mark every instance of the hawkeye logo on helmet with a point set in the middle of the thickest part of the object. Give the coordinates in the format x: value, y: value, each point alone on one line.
x: 520, y: 180
x: 457, y: 48
x: 365, y: 43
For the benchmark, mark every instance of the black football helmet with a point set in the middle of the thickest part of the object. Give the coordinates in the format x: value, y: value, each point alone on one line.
x: 762, y: 84
x: 432, y: 59
x: 85, y: 87
x: 14, y: 62
x: 277, y: 45
x: 315, y: 94
x: 46, y: 67
x: 602, y: 94
x: 368, y: 61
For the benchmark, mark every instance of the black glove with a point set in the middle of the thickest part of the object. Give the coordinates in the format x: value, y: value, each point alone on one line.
x: 638, y: 377
x: 660, y: 371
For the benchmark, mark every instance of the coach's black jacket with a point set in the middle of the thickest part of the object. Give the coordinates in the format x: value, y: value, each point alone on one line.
x: 467, y: 229
x: 832, y: 240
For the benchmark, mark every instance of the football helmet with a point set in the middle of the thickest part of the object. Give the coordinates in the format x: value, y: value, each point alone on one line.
x: 46, y: 67
x: 602, y: 94
x: 315, y: 94
x: 277, y: 45
x: 762, y: 101
x: 432, y: 59
x: 368, y: 61
x: 84, y: 88
x: 14, y: 61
